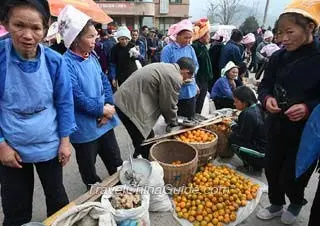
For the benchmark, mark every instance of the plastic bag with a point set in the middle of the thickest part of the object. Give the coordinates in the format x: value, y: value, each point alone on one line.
x: 309, y: 149
x: 87, y: 214
x: 134, y: 216
x: 159, y: 199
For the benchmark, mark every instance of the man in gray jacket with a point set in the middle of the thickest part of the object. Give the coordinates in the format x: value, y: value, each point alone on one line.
x: 148, y: 93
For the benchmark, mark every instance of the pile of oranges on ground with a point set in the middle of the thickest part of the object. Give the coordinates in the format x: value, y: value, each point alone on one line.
x: 196, y: 136
x: 214, y: 196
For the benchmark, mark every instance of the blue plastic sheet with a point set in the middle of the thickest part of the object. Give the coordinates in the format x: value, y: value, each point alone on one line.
x: 309, y: 149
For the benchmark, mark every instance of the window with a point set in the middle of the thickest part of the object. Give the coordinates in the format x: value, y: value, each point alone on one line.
x: 175, y: 1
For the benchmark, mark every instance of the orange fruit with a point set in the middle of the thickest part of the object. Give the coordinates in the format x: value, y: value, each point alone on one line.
x: 199, y: 218
x: 233, y: 217
x: 243, y: 203
x: 191, y: 218
x: 182, y: 205
x: 215, y: 221
x: 209, y: 204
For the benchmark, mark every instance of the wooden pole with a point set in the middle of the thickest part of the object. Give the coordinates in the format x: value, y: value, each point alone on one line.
x: 265, y: 13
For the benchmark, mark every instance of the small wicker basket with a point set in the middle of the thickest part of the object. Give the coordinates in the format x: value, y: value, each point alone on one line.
x: 223, y: 149
x: 206, y: 151
x: 168, y: 151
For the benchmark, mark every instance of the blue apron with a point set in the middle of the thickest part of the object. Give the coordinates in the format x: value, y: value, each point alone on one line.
x: 28, y: 116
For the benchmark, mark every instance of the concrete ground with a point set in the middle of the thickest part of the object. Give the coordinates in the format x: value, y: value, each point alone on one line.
x: 75, y: 188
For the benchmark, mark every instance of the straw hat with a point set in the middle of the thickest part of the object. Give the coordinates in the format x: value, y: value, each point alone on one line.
x: 308, y: 8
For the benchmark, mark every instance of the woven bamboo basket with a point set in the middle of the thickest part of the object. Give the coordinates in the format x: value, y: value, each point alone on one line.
x: 168, y: 151
x: 206, y: 151
x: 223, y: 149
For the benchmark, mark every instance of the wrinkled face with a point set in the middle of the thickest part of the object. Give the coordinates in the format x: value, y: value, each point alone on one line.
x: 123, y: 41
x: 293, y: 36
x: 238, y: 104
x: 184, y: 38
x: 205, y: 39
x: 134, y: 36
x: 27, y: 31
x: 233, y: 73
x: 87, y: 41
x: 186, y: 74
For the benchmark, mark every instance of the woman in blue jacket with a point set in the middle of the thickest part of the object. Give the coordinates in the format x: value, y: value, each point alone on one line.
x: 93, y: 98
x: 36, y: 113
x: 222, y: 90
x: 180, y: 36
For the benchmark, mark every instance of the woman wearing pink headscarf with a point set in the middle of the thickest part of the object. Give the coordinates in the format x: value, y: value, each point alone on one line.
x: 248, y: 42
x: 180, y: 36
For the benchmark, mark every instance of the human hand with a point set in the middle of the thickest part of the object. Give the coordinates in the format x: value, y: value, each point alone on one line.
x: 64, y: 151
x: 9, y: 157
x: 272, y: 105
x: 108, y: 111
x: 233, y: 84
x: 102, y: 121
x: 114, y: 83
x: 297, y: 112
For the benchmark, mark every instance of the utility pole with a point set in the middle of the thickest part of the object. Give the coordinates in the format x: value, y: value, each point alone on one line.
x: 265, y: 13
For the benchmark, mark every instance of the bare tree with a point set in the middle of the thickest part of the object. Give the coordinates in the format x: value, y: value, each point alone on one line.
x: 223, y: 11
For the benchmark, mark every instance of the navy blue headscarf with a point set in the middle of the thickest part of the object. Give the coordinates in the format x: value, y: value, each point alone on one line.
x: 41, y: 5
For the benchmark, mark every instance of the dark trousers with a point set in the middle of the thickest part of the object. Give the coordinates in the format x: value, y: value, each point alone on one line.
x: 17, y: 190
x: 136, y: 136
x: 256, y: 163
x: 280, y: 165
x: 203, y: 86
x: 187, y: 107
x: 314, y: 214
x: 86, y: 153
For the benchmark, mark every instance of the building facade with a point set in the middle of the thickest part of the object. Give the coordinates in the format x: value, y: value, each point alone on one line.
x: 153, y: 13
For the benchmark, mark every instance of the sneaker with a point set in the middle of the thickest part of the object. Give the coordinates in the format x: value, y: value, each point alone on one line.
x: 266, y: 214
x: 288, y: 218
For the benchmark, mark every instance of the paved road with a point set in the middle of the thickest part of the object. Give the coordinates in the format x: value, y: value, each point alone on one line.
x: 75, y: 188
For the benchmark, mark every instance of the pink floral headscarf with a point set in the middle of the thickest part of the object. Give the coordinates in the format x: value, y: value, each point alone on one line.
x: 175, y: 29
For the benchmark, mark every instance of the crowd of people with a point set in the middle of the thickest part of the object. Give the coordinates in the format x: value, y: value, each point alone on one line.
x: 76, y: 91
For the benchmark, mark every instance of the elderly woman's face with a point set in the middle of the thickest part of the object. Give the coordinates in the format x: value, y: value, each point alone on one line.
x: 27, y: 30
x: 87, y: 41
x: 184, y: 38
x: 233, y: 73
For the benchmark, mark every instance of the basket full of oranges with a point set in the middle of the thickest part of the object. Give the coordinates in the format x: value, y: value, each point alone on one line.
x: 203, y: 140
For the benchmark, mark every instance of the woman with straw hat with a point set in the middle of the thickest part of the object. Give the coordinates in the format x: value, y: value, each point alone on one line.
x: 289, y: 92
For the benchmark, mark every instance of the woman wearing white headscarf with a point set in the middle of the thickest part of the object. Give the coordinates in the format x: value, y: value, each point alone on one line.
x: 93, y: 100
